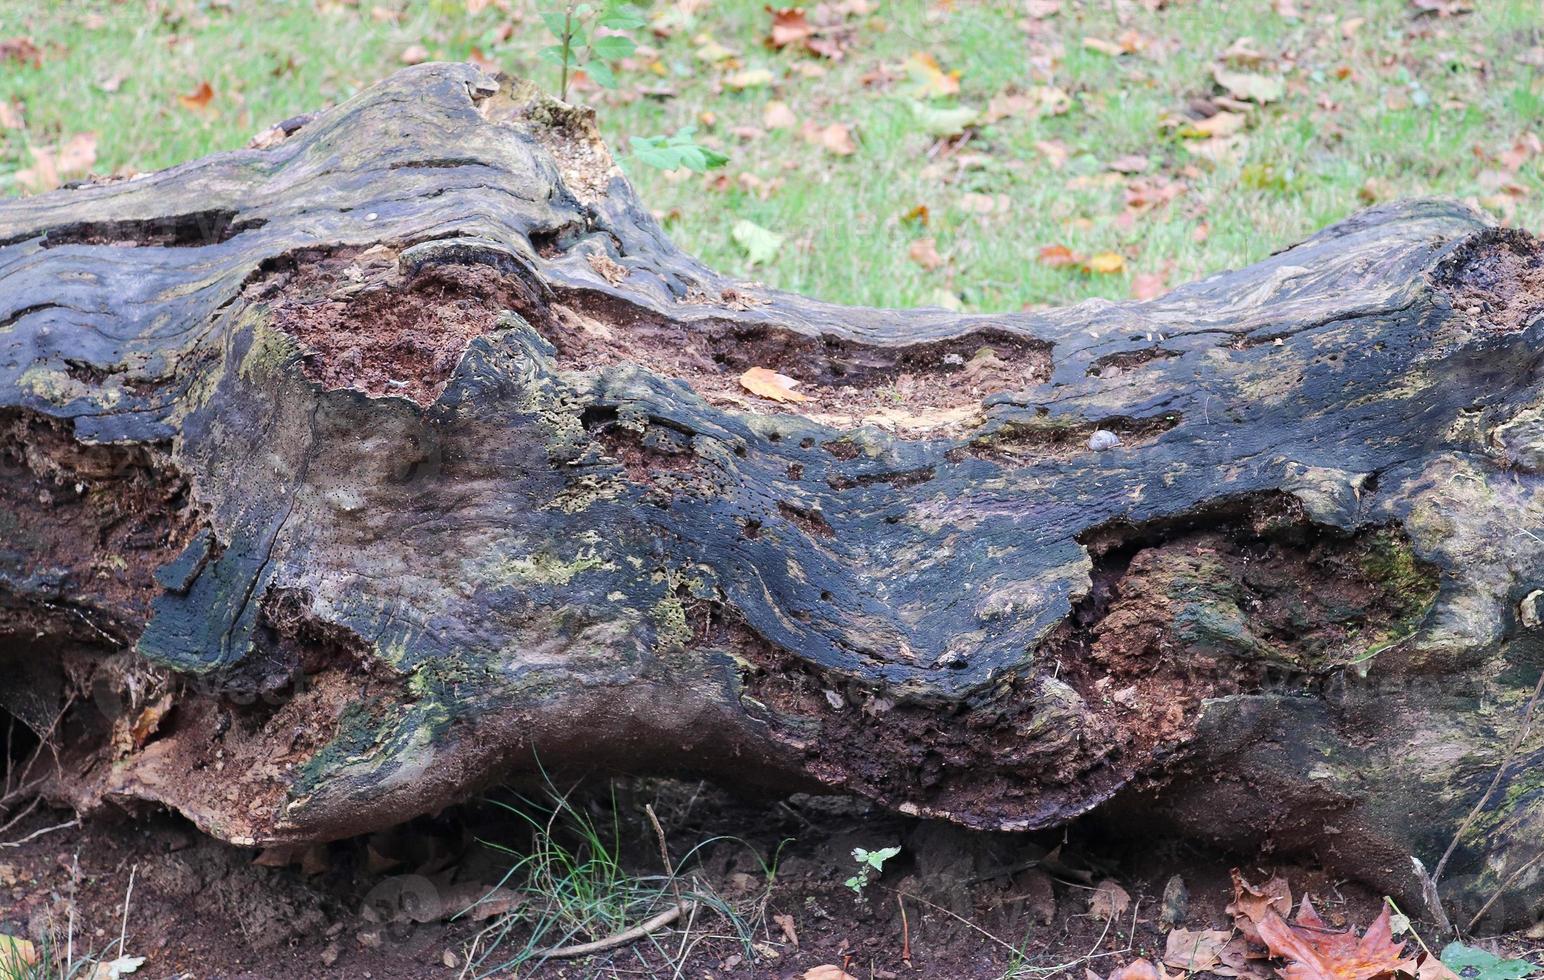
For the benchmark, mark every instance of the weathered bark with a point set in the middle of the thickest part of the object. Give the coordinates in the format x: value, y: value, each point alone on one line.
x: 344, y: 476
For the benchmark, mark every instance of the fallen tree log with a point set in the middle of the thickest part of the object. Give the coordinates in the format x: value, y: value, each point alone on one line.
x: 345, y: 474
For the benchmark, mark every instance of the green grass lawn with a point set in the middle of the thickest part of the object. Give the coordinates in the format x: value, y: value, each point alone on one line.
x: 1379, y: 99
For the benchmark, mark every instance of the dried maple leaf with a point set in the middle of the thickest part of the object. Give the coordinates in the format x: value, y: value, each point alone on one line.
x: 1315, y: 952
x: 1251, y: 904
x: 770, y: 384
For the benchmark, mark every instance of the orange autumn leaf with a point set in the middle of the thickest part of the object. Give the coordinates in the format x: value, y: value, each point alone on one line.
x: 197, y: 99
x: 1315, y: 952
x: 788, y: 27
x: 770, y: 384
x: 1058, y: 256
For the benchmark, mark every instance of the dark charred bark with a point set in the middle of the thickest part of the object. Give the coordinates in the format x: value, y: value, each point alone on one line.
x: 344, y: 476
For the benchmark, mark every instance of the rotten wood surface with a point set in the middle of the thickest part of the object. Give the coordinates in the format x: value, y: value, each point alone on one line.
x: 342, y: 476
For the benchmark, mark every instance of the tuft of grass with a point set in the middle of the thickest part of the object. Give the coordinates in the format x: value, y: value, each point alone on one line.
x: 579, y: 890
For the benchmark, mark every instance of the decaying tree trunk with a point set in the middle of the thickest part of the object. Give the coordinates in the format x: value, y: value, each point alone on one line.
x: 343, y: 476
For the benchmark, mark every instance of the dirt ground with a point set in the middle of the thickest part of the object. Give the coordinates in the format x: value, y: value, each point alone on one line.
x: 976, y: 904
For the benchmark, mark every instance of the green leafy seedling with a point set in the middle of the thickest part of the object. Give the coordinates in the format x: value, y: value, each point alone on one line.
x: 870, y: 865
x: 579, y: 46
x: 674, y: 152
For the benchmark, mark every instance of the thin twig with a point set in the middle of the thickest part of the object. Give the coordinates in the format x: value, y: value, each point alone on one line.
x: 664, y: 852
x: 39, y: 833
x: 1505, y: 884
x: 905, y: 931
x: 123, y: 931
x: 1512, y: 750
x: 632, y: 935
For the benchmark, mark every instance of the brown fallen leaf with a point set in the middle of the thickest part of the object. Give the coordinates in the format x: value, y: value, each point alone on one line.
x: 149, y: 720
x: 1133, y: 163
x: 414, y: 54
x: 1315, y: 952
x: 1058, y: 256
x: 1195, y: 950
x: 770, y: 384
x: 1147, y: 286
x: 828, y: 972
x: 1251, y: 904
x: 17, y: 951
x: 777, y: 115
x: 53, y: 166
x: 789, y: 26
x: 1109, y: 901
x: 924, y: 252
x: 198, y: 99
x: 790, y: 933
x: 10, y: 115
x: 21, y: 50
x: 837, y: 139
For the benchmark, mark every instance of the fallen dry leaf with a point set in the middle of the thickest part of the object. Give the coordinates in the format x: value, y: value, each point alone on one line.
x: 149, y: 721
x: 53, y: 166
x: 1054, y: 151
x: 828, y: 973
x: 1195, y: 950
x: 770, y: 384
x: 837, y: 139
x: 1106, y: 263
x: 1134, y: 163
x: 929, y: 80
x: 1148, y: 285
x: 777, y: 115
x: 1314, y: 952
x: 1109, y: 901
x: 750, y: 78
x: 13, y: 949
x: 414, y: 54
x: 1058, y: 256
x: 924, y: 252
x: 789, y: 26
x: 790, y: 933
x: 10, y: 116
x: 21, y: 50
x: 1252, y: 903
x: 199, y: 98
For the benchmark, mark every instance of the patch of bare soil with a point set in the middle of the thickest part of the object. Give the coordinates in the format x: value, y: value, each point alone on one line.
x: 1496, y: 277
x: 953, y: 904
